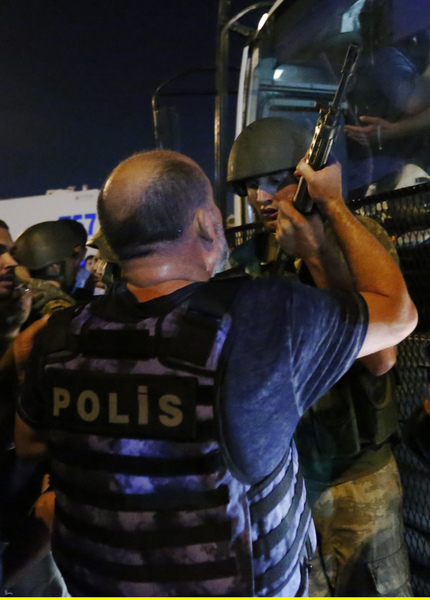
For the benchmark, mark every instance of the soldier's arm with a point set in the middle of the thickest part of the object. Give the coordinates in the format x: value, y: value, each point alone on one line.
x: 392, y: 314
x: 31, y: 444
x: 328, y: 269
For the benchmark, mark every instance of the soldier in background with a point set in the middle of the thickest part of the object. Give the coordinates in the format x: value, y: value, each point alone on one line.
x: 345, y: 440
x: 51, y: 252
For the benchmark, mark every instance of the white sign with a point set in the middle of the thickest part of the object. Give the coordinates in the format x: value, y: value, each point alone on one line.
x: 20, y: 213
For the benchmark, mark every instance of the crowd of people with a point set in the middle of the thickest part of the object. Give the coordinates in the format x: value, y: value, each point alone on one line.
x: 194, y: 423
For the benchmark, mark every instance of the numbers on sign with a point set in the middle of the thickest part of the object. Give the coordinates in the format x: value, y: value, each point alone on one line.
x: 90, y: 217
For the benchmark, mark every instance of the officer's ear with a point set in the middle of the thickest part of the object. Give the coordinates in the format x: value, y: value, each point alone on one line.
x: 203, y: 225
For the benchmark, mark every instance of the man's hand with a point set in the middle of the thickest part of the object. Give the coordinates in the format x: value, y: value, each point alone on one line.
x: 374, y: 130
x: 298, y: 235
x: 324, y: 186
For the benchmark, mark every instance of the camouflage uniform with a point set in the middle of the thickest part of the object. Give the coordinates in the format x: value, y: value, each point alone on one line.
x: 360, y: 537
x: 47, y: 298
x: 355, y: 494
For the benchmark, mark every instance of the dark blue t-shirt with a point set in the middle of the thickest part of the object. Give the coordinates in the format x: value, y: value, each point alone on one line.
x: 287, y: 346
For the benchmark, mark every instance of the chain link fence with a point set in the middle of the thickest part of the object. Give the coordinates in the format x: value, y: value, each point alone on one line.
x: 405, y: 215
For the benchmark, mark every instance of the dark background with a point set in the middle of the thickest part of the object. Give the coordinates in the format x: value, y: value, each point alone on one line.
x: 76, y: 81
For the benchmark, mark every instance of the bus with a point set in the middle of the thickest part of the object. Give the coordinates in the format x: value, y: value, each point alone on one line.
x: 290, y: 67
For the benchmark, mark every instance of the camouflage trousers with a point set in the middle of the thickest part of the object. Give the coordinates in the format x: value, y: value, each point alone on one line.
x: 361, y: 550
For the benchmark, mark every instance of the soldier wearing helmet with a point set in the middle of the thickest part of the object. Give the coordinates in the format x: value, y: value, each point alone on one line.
x: 51, y: 251
x: 344, y: 440
x: 257, y: 170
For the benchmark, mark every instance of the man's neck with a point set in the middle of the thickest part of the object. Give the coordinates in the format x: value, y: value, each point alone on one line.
x: 156, y: 291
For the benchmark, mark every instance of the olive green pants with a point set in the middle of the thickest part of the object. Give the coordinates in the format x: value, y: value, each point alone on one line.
x: 359, y: 526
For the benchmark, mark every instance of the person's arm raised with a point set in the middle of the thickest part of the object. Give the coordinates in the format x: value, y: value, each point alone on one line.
x: 392, y: 314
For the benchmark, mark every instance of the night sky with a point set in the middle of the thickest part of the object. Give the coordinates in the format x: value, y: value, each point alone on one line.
x: 76, y: 81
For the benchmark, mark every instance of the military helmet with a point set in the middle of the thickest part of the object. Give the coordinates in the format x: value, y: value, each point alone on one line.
x: 46, y: 243
x: 266, y: 146
x: 98, y: 241
x: 78, y: 230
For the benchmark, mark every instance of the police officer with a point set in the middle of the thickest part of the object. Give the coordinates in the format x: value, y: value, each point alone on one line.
x: 51, y: 251
x: 344, y: 440
x: 169, y: 420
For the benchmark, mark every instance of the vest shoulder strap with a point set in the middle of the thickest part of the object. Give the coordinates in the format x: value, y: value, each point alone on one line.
x: 207, y: 307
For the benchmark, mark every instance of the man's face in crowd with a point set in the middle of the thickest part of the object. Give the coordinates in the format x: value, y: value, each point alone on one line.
x: 89, y: 263
x: 261, y: 191
x: 99, y: 267
x: 7, y: 264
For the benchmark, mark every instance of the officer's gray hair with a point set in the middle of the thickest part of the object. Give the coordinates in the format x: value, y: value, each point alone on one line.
x: 158, y: 210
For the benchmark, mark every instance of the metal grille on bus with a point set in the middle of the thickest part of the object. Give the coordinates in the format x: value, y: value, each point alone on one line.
x: 405, y: 215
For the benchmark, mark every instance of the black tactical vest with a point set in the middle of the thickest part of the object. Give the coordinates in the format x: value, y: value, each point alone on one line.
x: 145, y: 504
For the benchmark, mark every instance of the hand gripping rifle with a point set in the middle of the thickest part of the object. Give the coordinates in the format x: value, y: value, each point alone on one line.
x: 326, y: 130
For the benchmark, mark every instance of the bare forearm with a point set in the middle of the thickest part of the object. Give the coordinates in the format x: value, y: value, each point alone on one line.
x: 392, y: 314
x: 370, y: 265
x: 377, y: 277
x: 411, y: 125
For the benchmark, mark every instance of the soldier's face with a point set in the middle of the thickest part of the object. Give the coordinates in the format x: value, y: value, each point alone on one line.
x: 7, y: 264
x: 69, y: 274
x: 261, y: 191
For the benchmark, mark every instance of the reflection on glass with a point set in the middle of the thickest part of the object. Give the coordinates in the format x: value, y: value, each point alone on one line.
x: 297, y: 58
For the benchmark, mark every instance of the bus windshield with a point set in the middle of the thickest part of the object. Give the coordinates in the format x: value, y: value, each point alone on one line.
x: 295, y: 63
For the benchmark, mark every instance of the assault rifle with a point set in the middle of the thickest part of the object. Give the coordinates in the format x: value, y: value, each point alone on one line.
x: 326, y: 130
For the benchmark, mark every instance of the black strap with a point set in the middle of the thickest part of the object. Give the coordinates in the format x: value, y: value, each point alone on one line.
x: 262, y: 485
x: 215, y: 531
x: 138, y: 465
x: 191, y: 347
x: 264, y: 545
x: 158, y: 573
x: 285, y: 567
x: 304, y: 560
x: 117, y: 344
x: 259, y: 510
x: 156, y: 502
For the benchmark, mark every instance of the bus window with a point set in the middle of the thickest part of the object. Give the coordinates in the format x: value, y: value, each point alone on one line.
x: 296, y: 61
